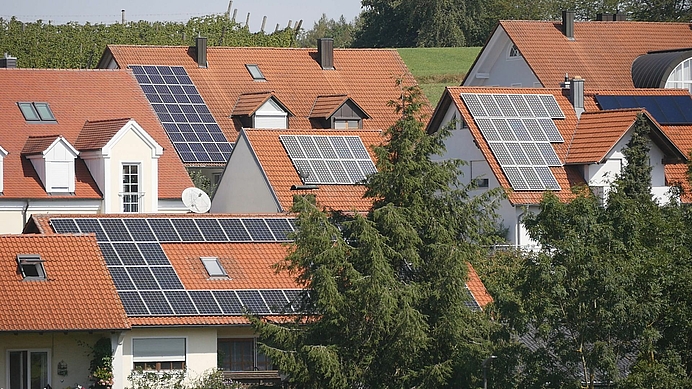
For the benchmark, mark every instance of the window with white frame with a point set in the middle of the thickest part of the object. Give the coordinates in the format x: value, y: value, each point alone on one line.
x: 241, y: 354
x: 513, y: 52
x: 681, y: 76
x: 131, y: 187
x: 158, y: 353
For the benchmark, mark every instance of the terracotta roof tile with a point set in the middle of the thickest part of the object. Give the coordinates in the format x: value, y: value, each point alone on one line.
x: 96, y: 134
x: 325, y: 106
x: 597, y: 133
x: 51, y: 305
x: 248, y: 103
x: 676, y: 175
x: 38, y: 144
x: 477, y: 289
x: 602, y: 52
x: 281, y: 174
x: 76, y: 96
x: 368, y: 76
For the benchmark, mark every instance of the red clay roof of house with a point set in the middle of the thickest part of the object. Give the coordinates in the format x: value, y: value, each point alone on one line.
x: 477, y: 289
x: 96, y: 134
x: 76, y: 96
x: 368, y: 76
x: 602, y: 52
x: 78, y: 293
x: 325, y: 106
x: 597, y: 133
x: 248, y: 103
x: 565, y: 126
x: 282, y: 175
x: 38, y: 144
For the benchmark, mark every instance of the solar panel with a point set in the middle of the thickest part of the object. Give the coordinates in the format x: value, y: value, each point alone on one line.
x: 342, y: 150
x: 521, y: 132
x: 531, y: 178
x: 667, y: 110
x: 517, y: 153
x: 258, y: 230
x: 252, y: 301
x: 535, y: 130
x: 276, y: 301
x: 187, y: 230
x: 280, y: 227
x: 133, y: 303
x: 64, y: 226
x: 515, y: 178
x: 474, y: 104
x: 506, y: 106
x: 163, y: 229
x: 211, y: 230
x: 490, y: 105
x: 116, y: 230
x: 205, y: 302
x: 536, y: 106
x: 129, y: 254
x: 309, y: 146
x: 547, y: 177
x: 180, y: 302
x: 501, y: 153
x: 535, y: 157
x: 551, y: 131
x: 296, y: 298
x: 548, y: 154
x: 166, y: 277
x: 292, y: 147
x: 235, y: 230
x: 551, y: 106
x: 228, y: 301
x: 156, y: 302
x: 142, y: 278
x: 153, y: 254
x: 357, y: 147
x: 109, y: 254
x: 471, y: 303
x: 488, y: 130
x: 139, y: 230
x: 521, y: 105
x: 503, y: 128
x: 121, y: 279
x: 192, y: 129
x: 325, y: 147
x: 92, y: 225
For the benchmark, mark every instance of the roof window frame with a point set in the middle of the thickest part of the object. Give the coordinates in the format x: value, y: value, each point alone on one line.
x: 214, y: 267
x: 36, y: 112
x: 31, y: 267
x: 255, y: 72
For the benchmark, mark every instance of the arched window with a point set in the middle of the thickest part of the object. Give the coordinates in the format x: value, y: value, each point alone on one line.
x: 681, y: 76
x: 514, y: 52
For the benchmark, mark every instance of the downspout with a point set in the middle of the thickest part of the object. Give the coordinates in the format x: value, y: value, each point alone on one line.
x: 26, y: 208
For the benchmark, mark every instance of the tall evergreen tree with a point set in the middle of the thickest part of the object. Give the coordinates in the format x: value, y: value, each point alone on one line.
x: 387, y: 306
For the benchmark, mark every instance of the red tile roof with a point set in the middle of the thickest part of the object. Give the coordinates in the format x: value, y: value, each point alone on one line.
x: 597, y: 133
x: 38, y: 144
x: 325, y: 106
x: 282, y: 175
x: 477, y: 289
x: 75, y: 97
x: 96, y: 134
x: 78, y: 293
x: 368, y: 76
x: 602, y: 52
x: 248, y: 103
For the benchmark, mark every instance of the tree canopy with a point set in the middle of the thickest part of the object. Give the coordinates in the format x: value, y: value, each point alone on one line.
x: 387, y: 304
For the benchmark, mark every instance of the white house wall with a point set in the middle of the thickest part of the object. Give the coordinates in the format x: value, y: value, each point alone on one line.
x: 244, y: 187
x: 495, y: 67
x: 270, y: 115
x: 71, y: 348
x: 15, y: 213
x: 132, y: 149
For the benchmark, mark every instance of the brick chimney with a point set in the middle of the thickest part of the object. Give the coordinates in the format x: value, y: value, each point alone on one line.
x: 201, y: 46
x: 325, y: 53
x: 568, y: 24
x: 8, y: 62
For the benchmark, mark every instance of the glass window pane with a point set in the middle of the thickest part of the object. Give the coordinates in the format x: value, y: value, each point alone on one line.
x: 44, y: 111
x: 29, y: 112
x: 39, y: 370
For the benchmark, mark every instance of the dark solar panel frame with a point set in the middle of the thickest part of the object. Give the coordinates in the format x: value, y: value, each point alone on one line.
x: 187, y: 230
x: 156, y: 302
x: 666, y: 110
x: 133, y: 303
x: 205, y: 302
x: 116, y: 230
x: 181, y: 302
x: 252, y: 301
x: 64, y: 226
x: 276, y: 301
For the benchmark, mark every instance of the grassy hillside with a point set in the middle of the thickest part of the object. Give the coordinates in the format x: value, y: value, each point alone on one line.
x: 437, y: 67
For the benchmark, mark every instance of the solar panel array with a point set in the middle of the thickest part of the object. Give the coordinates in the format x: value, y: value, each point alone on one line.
x: 667, y: 110
x: 146, y: 280
x: 519, y: 129
x: 190, y: 126
x: 321, y: 159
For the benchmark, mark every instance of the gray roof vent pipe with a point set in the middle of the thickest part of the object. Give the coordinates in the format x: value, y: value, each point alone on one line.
x: 201, y: 46
x: 325, y: 53
x: 8, y: 62
x: 568, y: 24
x: 576, y: 95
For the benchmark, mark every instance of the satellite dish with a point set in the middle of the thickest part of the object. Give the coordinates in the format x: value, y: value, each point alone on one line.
x: 196, y: 200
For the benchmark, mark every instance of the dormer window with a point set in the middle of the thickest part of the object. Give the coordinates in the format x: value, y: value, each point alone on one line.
x: 214, y: 267
x: 53, y: 158
x: 31, y: 267
x: 338, y: 112
x: 255, y: 72
x: 36, y: 112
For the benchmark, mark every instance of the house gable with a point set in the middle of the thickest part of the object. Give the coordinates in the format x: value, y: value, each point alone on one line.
x: 55, y: 165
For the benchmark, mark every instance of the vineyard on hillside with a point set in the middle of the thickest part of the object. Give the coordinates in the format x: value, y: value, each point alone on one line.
x: 79, y: 46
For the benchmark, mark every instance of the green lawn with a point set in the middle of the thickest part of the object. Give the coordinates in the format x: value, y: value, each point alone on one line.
x: 437, y: 67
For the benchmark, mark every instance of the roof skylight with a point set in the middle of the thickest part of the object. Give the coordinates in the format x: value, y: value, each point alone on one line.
x: 36, y: 112
x: 255, y: 72
x: 214, y: 267
x: 31, y: 266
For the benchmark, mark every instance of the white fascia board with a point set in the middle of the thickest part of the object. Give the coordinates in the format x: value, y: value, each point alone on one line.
x: 132, y: 125
x: 61, y: 139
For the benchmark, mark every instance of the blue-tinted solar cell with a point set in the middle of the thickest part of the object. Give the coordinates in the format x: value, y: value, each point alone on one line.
x: 134, y: 306
x: 490, y: 105
x: 276, y: 301
x: 552, y: 107
x: 115, y: 229
x: 166, y: 277
x: 319, y: 166
x: 149, y: 69
x: 471, y: 303
x: 520, y: 130
x: 338, y: 171
x: 296, y: 297
x: 129, y: 254
x: 142, y: 278
x: 517, y: 153
x: 64, y: 226
x: 293, y: 223
x: 357, y: 147
x: 308, y: 146
x: 506, y: 105
x: 121, y: 279
x: 551, y: 131
x: 305, y: 171
x: 228, y: 301
x: 139, y: 230
x: 474, y: 105
x: 280, y: 228
x: 258, y: 230
x: 137, y: 69
x: 204, y: 301
x: 142, y: 78
x: 109, y: 254
x: 181, y: 302
x: 235, y: 230
x: 531, y: 178
x: 252, y: 301
x: 325, y: 147
x: 341, y: 147
x: 354, y: 171
x: 547, y: 177
x: 548, y: 154
x: 163, y: 229
x: 92, y: 225
x: 178, y: 70
x: 488, y: 129
x: 153, y: 254
x: 516, y: 179
x: 156, y: 302
x: 367, y: 167
x: 667, y: 110
x: 187, y: 230
x: 211, y: 230
x: 501, y: 153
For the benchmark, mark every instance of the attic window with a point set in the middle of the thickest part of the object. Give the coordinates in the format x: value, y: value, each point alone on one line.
x: 514, y: 52
x: 31, y: 266
x: 213, y: 266
x: 255, y: 72
x: 36, y: 112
